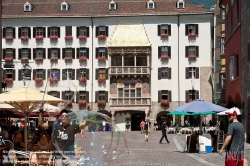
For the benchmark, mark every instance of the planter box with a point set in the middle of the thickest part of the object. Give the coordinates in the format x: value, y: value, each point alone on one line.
x: 24, y: 38
x: 82, y: 79
x: 164, y: 35
x: 164, y: 57
x: 83, y: 58
x: 82, y: 37
x: 8, y: 38
x: 39, y: 37
x: 101, y: 37
x: 54, y: 37
x: 38, y: 80
x: 101, y: 80
x: 38, y: 59
x: 68, y: 37
x: 82, y: 102
x: 53, y: 59
x: 8, y: 59
x: 101, y: 58
x: 9, y: 80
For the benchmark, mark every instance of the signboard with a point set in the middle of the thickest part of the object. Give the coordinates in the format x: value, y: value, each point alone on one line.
x: 8, y: 66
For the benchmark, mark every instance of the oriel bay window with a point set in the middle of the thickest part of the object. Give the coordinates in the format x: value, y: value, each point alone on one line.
x: 68, y: 74
x: 129, y: 91
x: 192, y: 70
x: 164, y: 73
x: 116, y: 60
x: 129, y: 60
x: 192, y: 95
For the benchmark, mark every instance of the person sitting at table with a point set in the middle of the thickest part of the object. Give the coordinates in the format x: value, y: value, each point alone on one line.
x: 18, y: 141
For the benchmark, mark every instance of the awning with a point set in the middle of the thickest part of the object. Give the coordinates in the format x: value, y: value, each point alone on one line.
x: 129, y: 36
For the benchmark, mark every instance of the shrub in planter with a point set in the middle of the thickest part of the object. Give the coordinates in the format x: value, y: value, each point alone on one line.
x: 82, y: 37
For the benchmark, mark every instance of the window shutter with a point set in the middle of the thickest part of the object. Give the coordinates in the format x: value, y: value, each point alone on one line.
x: 169, y: 51
x: 14, y: 53
x: 70, y: 30
x: 187, y: 72
x: 77, y: 53
x: 29, y: 53
x: 77, y: 96
x: 197, y: 51
x: 187, y: 95
x: 34, y: 32
x: 197, y: 94
x: 4, y: 53
x: 63, y: 95
x: 169, y: 30
x: 19, y: 32
x: 58, y: 53
x: 19, y: 53
x: 63, y: 53
x: 87, y: 53
x: 64, y: 74
x: 29, y: 32
x: 87, y: 29
x: 14, y: 74
x: 73, y: 74
x: 49, y: 53
x: 197, y: 72
x: 186, y: 51
x: 106, y: 53
x: 20, y: 74
x: 107, y: 31
x: 58, y: 30
x: 169, y: 73
x: 44, y: 74
x: 14, y: 32
x: 77, y: 31
x: 48, y: 73
x: 4, y: 74
x: 159, y: 96
x: 48, y: 32
x: 159, y: 30
x: 87, y: 74
x: 96, y: 51
x: 96, y: 96
x: 58, y: 94
x: 159, y: 51
x: 78, y: 74
x: 73, y: 53
x: 159, y: 73
x: 169, y: 96
x: 4, y: 32
x: 186, y: 29
x: 44, y: 32
x: 44, y: 53
x: 87, y: 96
x: 34, y: 53
x: 196, y: 29
x: 96, y: 73
x: 96, y: 31
x: 107, y: 74
x: 34, y: 74
x: 107, y: 96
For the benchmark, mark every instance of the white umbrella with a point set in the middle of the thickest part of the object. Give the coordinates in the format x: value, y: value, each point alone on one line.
x: 6, y: 106
x: 230, y: 110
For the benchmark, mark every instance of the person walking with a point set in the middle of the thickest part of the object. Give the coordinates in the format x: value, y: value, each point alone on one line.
x: 155, y: 125
x: 146, y: 129
x: 142, y: 126
x: 234, y: 141
x: 164, y: 132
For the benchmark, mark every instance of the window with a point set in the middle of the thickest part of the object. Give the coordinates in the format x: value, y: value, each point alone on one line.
x: 141, y: 60
x: 191, y: 29
x: 53, y: 31
x: 192, y: 51
x: 54, y: 73
x: 223, y: 80
x: 82, y: 72
x: 181, y: 4
x: 218, y: 20
x: 129, y: 91
x: 192, y: 95
x: 69, y: 53
x: 150, y: 4
x: 102, y: 73
x: 116, y: 60
x: 112, y: 5
x: 164, y: 29
x: 102, y: 30
x: 222, y: 46
x: 54, y: 53
x: 68, y: 74
x: 64, y: 6
x: 164, y: 51
x: 54, y: 93
x: 233, y: 67
x: 83, y: 51
x: 101, y: 95
x: 82, y: 95
x: 24, y: 32
x: 27, y: 7
x: 68, y: 95
x: 164, y: 95
x: 129, y: 60
x: 9, y: 53
x: 9, y: 73
x: 120, y: 93
x: 218, y: 65
x: 218, y: 40
x: 138, y: 92
x: 101, y: 52
x: 39, y: 31
x: 39, y: 53
x: 68, y: 31
x: 164, y: 73
x: 190, y: 70
x: 39, y: 73
x: 9, y: 32
x: 82, y: 31
x: 24, y: 53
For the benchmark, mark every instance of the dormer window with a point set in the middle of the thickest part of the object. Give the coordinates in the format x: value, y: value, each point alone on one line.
x: 112, y: 5
x: 27, y: 7
x: 64, y: 6
x: 150, y: 4
x: 181, y: 4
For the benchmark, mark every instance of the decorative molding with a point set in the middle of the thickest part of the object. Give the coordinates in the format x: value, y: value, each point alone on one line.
x: 129, y: 50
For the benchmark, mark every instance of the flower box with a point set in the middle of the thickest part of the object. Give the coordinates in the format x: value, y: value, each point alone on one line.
x: 83, y: 58
x: 24, y: 59
x: 101, y: 37
x: 54, y: 37
x: 67, y: 103
x: 191, y: 56
x: 68, y: 37
x: 38, y: 59
x: 163, y: 57
x: 8, y: 38
x: 38, y: 80
x: 55, y: 79
x: 9, y: 80
x: 8, y: 59
x: 53, y: 59
x: 164, y: 35
x: 82, y: 37
x: 100, y: 80
x: 164, y: 102
x: 101, y: 58
x: 68, y: 58
x: 192, y: 35
x: 82, y: 79
x: 39, y: 37
x: 101, y: 102
x: 82, y: 102
x: 24, y: 38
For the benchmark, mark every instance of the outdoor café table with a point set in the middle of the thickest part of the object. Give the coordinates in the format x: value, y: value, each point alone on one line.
x: 2, y: 149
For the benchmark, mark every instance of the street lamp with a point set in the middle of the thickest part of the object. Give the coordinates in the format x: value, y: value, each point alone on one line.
x: 26, y: 73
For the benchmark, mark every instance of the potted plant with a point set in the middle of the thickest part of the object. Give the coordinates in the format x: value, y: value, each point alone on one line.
x: 39, y: 37
x: 164, y: 102
x: 68, y: 58
x: 81, y: 37
x: 164, y: 57
x: 101, y: 37
x: 100, y: 80
x: 82, y: 58
x: 8, y: 59
x: 38, y: 59
x: 54, y: 79
x: 101, y: 58
x: 164, y: 35
x: 67, y: 103
x: 8, y: 38
x: 82, y: 79
x: 9, y: 80
x: 24, y: 59
x: 38, y: 80
x: 53, y: 59
x: 24, y: 38
x: 82, y: 102
x: 192, y: 35
x: 101, y: 102
x: 53, y: 37
x: 191, y: 56
x: 68, y: 37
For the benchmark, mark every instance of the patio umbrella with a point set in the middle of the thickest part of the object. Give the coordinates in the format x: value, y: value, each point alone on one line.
x: 178, y: 113
x: 23, y: 98
x: 230, y: 110
x: 203, y: 113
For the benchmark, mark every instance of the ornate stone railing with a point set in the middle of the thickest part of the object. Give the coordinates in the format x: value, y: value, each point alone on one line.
x: 130, y: 101
x: 129, y: 70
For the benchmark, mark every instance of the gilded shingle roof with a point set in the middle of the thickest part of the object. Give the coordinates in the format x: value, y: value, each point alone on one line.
x: 94, y: 8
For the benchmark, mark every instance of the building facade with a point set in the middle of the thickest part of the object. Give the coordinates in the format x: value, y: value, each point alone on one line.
x: 127, y: 59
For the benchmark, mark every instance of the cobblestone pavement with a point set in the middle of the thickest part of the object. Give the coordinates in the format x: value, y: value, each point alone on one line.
x: 139, y: 152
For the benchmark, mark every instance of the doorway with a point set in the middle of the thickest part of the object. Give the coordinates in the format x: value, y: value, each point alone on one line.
x: 136, y: 119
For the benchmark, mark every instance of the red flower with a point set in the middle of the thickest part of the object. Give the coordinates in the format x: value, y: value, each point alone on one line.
x: 82, y: 102
x: 82, y: 37
x: 101, y: 80
x: 9, y: 80
x: 24, y: 38
x: 54, y: 37
x: 68, y: 58
x: 38, y: 80
x: 55, y: 79
x: 82, y: 79
x: 101, y: 102
x: 101, y: 37
x: 39, y: 37
x: 67, y: 103
x: 24, y: 59
x: 163, y: 57
x: 8, y: 38
x: 164, y: 102
x: 82, y: 58
x: 164, y: 35
x: 68, y: 37
x: 101, y: 58
x: 192, y: 35
x: 38, y: 59
x: 53, y: 59
x: 8, y: 59
x: 191, y: 56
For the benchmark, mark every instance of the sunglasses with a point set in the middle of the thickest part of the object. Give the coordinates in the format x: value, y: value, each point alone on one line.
x: 64, y: 116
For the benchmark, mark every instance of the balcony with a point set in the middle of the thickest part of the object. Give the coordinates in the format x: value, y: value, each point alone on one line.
x: 129, y: 70
x: 129, y: 101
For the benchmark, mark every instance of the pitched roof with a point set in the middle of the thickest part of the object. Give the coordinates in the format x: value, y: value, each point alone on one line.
x: 94, y: 8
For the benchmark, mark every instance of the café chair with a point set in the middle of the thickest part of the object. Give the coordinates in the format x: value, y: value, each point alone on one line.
x: 19, y: 157
x: 42, y: 158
